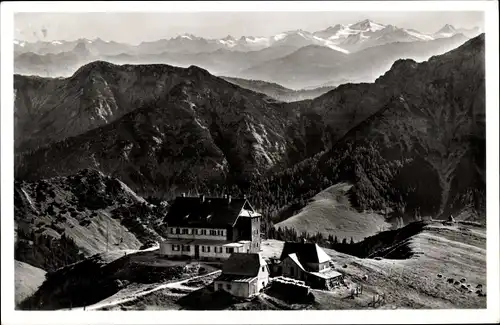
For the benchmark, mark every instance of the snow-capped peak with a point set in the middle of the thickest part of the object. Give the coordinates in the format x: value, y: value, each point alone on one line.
x: 367, y: 25
x: 279, y: 36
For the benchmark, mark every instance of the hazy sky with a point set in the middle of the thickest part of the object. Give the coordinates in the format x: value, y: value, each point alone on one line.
x: 136, y: 27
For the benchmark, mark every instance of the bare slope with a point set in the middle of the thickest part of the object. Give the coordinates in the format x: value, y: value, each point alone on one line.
x: 454, y: 252
x: 63, y: 219
x: 28, y: 279
x: 330, y: 213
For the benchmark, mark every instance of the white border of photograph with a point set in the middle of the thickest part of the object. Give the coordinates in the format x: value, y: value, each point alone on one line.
x: 489, y: 315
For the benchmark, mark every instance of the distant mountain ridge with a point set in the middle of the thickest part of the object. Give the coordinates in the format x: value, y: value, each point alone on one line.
x: 279, y: 92
x: 344, y: 38
x: 310, y: 66
x: 319, y: 65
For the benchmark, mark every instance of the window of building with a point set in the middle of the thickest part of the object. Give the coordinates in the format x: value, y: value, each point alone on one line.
x: 229, y: 250
x: 228, y: 286
x: 219, y: 286
x: 172, y: 230
x: 177, y: 231
x: 213, y: 232
x: 176, y: 248
x: 186, y: 248
x: 203, y: 231
x: 208, y: 249
x: 203, y: 249
x: 263, y: 269
x: 185, y: 231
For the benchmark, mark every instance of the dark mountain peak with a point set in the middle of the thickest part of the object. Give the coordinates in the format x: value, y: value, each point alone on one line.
x: 473, y: 46
x: 404, y: 64
x: 196, y: 70
x: 95, y: 66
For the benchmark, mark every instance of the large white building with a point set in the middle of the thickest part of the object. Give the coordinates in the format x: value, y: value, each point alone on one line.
x: 211, y: 228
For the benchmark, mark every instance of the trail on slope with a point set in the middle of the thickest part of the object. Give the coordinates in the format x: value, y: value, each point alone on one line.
x: 117, y: 301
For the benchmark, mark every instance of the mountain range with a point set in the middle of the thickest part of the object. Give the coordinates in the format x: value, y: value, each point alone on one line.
x: 343, y: 38
x: 250, y: 57
x: 162, y: 130
x: 309, y: 66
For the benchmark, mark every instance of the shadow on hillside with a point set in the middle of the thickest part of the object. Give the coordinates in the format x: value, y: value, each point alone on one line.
x: 390, y: 244
x: 92, y: 280
x: 206, y: 299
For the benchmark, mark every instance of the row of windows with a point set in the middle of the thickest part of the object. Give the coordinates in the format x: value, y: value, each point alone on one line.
x: 177, y: 248
x: 204, y: 249
x: 189, y: 231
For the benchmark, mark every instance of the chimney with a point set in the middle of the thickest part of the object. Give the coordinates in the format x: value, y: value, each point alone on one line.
x: 202, y: 198
x: 229, y: 199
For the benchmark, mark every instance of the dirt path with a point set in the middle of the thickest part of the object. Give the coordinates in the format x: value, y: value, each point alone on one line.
x: 171, y: 285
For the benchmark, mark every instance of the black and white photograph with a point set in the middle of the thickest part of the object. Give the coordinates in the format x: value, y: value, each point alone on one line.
x: 279, y: 157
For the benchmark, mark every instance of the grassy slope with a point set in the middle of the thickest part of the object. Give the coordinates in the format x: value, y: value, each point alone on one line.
x: 453, y: 251
x: 330, y: 212
x: 28, y: 279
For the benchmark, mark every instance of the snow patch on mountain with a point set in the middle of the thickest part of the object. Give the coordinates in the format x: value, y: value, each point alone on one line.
x: 279, y: 36
x: 419, y: 35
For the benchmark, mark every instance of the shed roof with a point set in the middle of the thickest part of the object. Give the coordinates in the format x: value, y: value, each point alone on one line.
x: 207, y: 212
x: 305, y: 252
x: 243, y: 264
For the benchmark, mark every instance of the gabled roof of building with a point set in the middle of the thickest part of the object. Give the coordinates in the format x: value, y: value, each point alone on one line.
x: 295, y: 259
x: 243, y: 264
x: 305, y: 252
x: 207, y: 212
